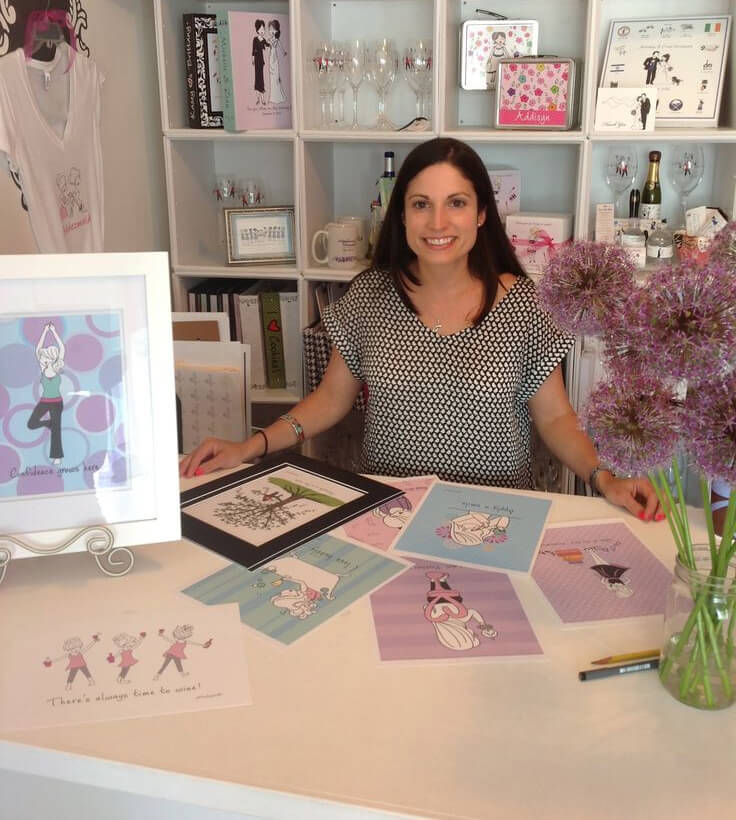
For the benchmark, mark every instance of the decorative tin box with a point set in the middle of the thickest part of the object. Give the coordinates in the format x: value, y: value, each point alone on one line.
x: 483, y: 43
x: 536, y: 237
x: 536, y: 92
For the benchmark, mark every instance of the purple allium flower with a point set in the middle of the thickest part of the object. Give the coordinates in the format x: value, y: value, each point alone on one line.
x: 583, y: 283
x: 687, y: 323
x: 634, y: 422
x: 723, y: 249
x: 709, y: 426
x: 623, y: 352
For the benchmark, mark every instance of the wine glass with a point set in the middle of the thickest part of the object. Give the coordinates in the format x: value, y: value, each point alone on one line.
x: 418, y: 72
x: 686, y: 167
x: 622, y: 164
x: 324, y: 64
x: 341, y: 57
x: 355, y: 71
x: 382, y: 63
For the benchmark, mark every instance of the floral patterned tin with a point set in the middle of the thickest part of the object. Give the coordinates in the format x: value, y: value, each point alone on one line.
x: 536, y: 92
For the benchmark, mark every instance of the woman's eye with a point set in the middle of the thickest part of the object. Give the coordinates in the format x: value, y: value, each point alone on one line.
x: 419, y: 204
x: 458, y: 203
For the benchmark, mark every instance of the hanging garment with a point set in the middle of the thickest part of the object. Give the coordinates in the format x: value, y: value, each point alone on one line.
x: 50, y: 130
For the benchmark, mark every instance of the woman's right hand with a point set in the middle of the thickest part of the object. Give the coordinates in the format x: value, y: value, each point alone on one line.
x: 213, y: 454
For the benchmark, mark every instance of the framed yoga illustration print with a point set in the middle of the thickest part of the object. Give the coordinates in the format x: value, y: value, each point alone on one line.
x: 256, y: 514
x: 257, y: 236
x: 684, y: 58
x: 87, y: 409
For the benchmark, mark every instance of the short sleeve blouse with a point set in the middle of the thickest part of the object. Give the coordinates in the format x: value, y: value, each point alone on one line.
x: 453, y: 405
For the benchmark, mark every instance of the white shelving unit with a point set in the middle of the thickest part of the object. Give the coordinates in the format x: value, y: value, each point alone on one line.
x: 326, y: 173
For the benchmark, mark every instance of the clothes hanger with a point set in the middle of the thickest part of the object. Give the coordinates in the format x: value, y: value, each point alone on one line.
x: 45, y: 30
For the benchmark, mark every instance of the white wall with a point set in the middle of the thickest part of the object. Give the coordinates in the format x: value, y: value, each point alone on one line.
x: 120, y: 36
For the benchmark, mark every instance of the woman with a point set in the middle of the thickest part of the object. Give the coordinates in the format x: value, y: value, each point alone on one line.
x: 258, y: 61
x: 276, y: 90
x: 458, y: 359
x: 47, y: 413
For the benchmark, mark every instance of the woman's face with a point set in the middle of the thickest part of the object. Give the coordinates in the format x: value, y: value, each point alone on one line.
x: 271, y: 32
x: 441, y: 216
x: 260, y: 31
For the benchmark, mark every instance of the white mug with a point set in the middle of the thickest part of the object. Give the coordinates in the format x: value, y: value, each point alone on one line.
x: 341, y: 241
x: 359, y: 222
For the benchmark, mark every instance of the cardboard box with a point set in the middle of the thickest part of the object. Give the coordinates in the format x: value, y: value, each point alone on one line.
x: 536, y: 237
x: 506, y: 184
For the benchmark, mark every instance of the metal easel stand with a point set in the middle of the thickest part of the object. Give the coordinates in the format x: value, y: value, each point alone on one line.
x: 99, y: 540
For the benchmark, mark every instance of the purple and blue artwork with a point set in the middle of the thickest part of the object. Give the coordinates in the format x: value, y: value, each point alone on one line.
x: 62, y: 404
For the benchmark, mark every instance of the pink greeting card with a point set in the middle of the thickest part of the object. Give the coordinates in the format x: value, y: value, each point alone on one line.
x: 381, y: 527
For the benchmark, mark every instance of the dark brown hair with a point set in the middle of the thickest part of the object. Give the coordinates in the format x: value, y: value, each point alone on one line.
x: 492, y: 253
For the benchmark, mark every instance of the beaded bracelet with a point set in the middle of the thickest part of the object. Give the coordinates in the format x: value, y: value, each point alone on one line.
x: 295, y: 426
x: 265, y: 442
x: 593, y: 479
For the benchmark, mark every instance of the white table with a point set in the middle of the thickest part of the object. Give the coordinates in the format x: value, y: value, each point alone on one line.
x: 334, y: 734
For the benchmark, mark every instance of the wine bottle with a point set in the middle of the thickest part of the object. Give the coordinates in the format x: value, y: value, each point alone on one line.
x: 651, y: 196
x: 386, y: 182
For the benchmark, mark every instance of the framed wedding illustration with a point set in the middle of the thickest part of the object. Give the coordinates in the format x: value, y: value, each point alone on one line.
x: 87, y: 410
x: 684, y: 58
x: 256, y: 514
x: 257, y: 236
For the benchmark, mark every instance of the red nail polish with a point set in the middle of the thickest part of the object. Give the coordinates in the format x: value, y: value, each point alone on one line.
x: 642, y: 516
x: 659, y: 517
x: 198, y: 471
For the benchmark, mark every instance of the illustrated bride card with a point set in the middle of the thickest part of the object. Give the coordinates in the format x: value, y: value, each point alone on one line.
x: 599, y: 570
x: 481, y: 528
x: 441, y: 612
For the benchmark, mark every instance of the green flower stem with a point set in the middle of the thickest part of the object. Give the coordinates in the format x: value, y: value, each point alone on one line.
x: 684, y: 635
x: 728, y: 548
x: 677, y: 526
x: 705, y: 493
x: 704, y: 657
x: 722, y: 671
x: 683, y: 511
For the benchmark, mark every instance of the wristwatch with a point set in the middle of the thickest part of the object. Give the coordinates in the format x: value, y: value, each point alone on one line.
x: 593, y: 477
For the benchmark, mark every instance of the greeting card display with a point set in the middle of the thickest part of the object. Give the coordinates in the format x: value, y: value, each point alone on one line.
x: 536, y: 92
x: 684, y: 58
x: 484, y: 43
x: 256, y: 72
x: 202, y: 66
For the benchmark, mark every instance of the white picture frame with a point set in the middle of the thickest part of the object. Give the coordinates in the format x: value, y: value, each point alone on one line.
x: 115, y: 462
x: 684, y: 57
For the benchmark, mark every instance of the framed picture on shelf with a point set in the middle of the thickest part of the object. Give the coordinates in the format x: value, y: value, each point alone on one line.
x: 254, y: 515
x: 87, y: 408
x: 202, y: 65
x: 257, y: 236
x: 684, y: 58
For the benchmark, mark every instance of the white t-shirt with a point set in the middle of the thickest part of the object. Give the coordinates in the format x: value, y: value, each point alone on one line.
x: 50, y: 130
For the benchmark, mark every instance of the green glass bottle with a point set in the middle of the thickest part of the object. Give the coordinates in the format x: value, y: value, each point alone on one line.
x: 651, y: 195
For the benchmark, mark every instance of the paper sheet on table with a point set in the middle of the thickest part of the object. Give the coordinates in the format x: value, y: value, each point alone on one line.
x: 117, y: 665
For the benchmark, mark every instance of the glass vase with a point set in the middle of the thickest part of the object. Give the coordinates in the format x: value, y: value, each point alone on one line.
x: 698, y: 664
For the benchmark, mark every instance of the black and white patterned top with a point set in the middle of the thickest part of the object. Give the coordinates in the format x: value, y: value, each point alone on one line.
x: 453, y: 405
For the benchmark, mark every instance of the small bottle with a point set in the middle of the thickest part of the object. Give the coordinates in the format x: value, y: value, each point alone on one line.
x: 388, y: 164
x: 651, y: 196
x: 660, y: 246
x: 634, y: 243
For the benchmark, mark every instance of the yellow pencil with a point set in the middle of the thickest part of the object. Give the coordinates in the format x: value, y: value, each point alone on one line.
x: 628, y: 656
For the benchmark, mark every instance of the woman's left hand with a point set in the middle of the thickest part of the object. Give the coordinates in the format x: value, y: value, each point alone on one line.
x: 633, y: 494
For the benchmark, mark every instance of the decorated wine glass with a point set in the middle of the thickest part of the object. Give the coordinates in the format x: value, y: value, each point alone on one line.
x: 621, y: 167
x: 324, y: 65
x: 418, y: 72
x: 686, y: 171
